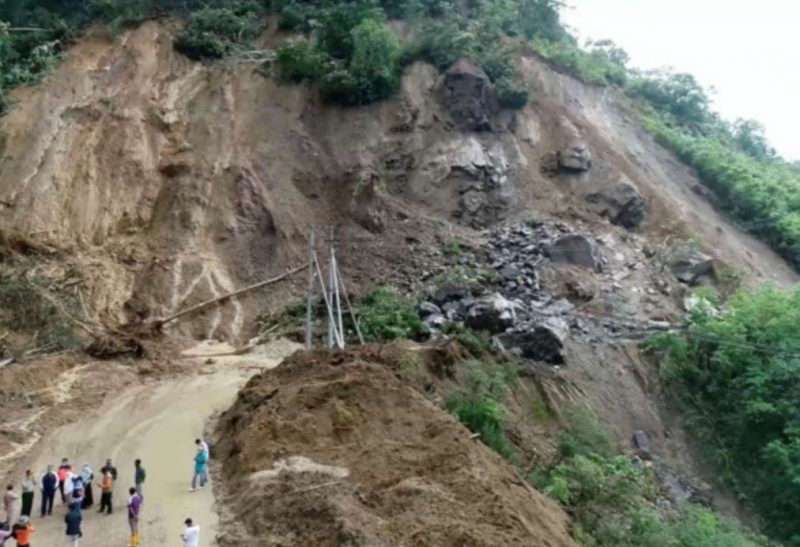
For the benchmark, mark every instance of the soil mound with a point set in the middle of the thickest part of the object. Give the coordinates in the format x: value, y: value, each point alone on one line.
x: 332, y: 450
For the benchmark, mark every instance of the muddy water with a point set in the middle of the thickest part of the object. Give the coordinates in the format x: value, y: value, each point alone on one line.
x: 157, y: 423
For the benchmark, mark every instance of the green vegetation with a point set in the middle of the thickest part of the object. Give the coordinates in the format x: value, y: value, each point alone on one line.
x: 477, y: 344
x: 618, y: 503
x: 213, y: 33
x: 479, y: 405
x: 738, y: 378
x: 300, y: 62
x: 384, y: 315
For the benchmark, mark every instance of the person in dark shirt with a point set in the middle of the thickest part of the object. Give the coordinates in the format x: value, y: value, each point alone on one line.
x: 139, y: 477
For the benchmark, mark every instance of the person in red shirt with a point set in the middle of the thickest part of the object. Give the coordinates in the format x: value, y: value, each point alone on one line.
x: 63, y: 471
x: 22, y: 531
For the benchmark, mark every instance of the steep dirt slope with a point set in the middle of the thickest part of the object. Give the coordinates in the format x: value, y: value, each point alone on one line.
x: 168, y: 181
x: 330, y: 450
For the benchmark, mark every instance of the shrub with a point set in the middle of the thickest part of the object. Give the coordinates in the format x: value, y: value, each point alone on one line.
x: 295, y: 16
x: 737, y: 377
x: 338, y: 21
x: 384, y: 316
x: 120, y: 14
x: 300, y: 62
x: 584, y: 435
x: 374, y: 64
x: 477, y: 343
x: 213, y: 32
x: 441, y: 43
x: 479, y: 405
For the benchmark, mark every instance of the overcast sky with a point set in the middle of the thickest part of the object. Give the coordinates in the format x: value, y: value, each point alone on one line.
x: 749, y: 51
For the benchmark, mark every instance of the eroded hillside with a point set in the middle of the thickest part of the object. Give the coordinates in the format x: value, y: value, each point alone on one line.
x: 155, y: 182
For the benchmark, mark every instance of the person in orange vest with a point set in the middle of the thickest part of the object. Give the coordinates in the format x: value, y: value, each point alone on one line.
x: 22, y: 531
x: 63, y: 471
x: 107, y: 492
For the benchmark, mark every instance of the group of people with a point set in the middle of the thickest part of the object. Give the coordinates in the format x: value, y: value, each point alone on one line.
x: 75, y: 488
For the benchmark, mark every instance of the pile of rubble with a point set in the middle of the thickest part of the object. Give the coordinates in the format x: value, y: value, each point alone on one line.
x: 522, y: 317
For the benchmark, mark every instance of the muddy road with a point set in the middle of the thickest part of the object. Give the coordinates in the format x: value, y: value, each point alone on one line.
x: 158, y: 423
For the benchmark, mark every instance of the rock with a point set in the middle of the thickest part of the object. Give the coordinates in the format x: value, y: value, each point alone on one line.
x: 450, y: 293
x: 427, y: 309
x: 642, y: 444
x: 576, y: 157
x: 543, y: 342
x: 620, y: 202
x: 435, y: 321
x: 689, y: 264
x: 492, y: 313
x: 577, y: 250
x: 470, y: 96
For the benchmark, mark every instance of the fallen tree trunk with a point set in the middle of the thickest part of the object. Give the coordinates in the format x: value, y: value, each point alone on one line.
x: 220, y: 299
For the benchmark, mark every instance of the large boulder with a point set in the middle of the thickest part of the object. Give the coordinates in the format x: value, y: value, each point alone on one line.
x: 492, y: 313
x: 545, y: 341
x: 689, y: 265
x: 620, y: 202
x: 576, y: 157
x: 576, y: 250
x: 470, y: 96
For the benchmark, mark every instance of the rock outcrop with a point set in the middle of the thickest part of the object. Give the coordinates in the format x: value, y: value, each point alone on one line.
x: 470, y: 96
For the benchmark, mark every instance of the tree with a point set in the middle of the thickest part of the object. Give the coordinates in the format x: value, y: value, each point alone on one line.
x: 750, y: 138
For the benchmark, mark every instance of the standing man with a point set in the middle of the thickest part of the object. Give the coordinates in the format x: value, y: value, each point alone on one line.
x: 28, y: 489
x: 107, y: 492
x: 22, y: 531
x: 139, y: 477
x: 191, y: 535
x: 73, y: 520
x: 49, y: 483
x: 63, y: 470
x: 134, y: 508
x: 10, y: 503
x: 110, y: 468
x: 200, y: 470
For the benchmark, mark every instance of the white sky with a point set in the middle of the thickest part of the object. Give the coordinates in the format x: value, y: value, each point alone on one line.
x: 749, y: 51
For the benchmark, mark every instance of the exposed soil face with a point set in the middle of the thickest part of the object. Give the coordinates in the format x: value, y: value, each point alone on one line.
x: 331, y: 450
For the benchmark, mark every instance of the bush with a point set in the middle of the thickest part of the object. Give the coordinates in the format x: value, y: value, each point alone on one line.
x: 213, y: 32
x: 738, y: 378
x: 584, y: 435
x: 300, y: 62
x: 120, y: 14
x: 295, y: 16
x: 338, y: 22
x: 477, y: 343
x: 479, y: 405
x: 384, y: 316
x: 441, y: 43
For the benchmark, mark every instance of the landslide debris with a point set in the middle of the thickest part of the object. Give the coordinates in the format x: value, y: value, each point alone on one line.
x: 336, y: 449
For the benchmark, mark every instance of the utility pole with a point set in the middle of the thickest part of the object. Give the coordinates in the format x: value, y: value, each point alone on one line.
x: 332, y: 295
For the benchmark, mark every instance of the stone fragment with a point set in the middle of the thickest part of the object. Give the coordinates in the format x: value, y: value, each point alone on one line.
x: 577, y: 250
x: 491, y: 313
x: 542, y: 342
x: 576, y: 157
x: 689, y: 264
x: 642, y: 444
x: 620, y: 202
x: 427, y: 309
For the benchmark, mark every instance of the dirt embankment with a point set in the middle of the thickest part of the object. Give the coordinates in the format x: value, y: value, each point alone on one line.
x: 337, y: 450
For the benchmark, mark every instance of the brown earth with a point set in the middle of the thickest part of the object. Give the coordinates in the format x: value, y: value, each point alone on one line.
x: 337, y: 449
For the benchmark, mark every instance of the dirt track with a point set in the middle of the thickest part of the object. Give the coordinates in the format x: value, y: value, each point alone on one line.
x: 157, y: 423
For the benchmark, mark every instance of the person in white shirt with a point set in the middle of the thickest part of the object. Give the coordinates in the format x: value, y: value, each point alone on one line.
x: 191, y: 535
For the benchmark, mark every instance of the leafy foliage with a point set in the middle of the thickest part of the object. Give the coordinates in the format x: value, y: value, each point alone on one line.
x: 739, y: 374
x: 479, y: 406
x: 385, y: 315
x: 300, y: 61
x: 477, y: 343
x: 214, y: 32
